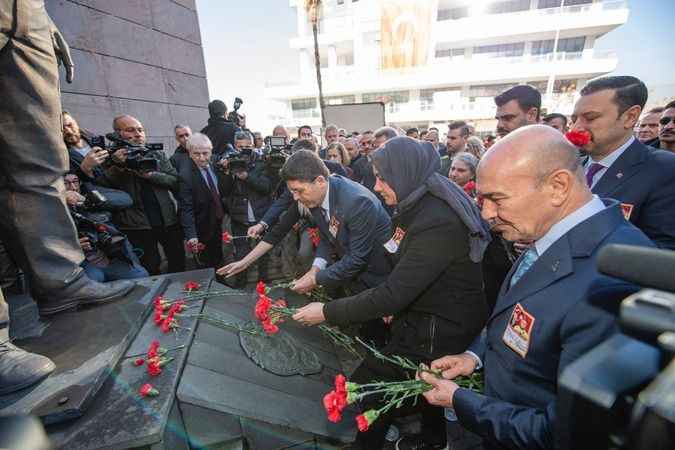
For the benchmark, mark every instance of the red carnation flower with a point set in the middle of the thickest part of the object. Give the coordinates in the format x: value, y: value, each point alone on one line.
x: 153, y: 350
x: 154, y: 367
x: 579, y: 138
x: 139, y: 362
x: 227, y: 238
x: 269, y: 327
x: 262, y: 308
x: 260, y: 288
x: 331, y: 407
x: 167, y: 325
x: 314, y: 236
x: 340, y: 383
x: 365, y: 420
x: 469, y: 188
x: 147, y: 390
x: 192, y: 286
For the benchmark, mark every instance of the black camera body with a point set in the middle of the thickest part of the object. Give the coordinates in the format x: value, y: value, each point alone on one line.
x: 101, y: 236
x: 277, y: 151
x: 240, y: 161
x: 619, y: 395
x: 137, y: 155
x: 93, y: 200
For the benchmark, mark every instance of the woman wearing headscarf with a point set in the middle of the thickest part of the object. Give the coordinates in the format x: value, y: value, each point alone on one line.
x: 435, y: 291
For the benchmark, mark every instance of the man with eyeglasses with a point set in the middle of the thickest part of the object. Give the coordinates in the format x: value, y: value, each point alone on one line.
x: 181, y: 155
x: 667, y: 128
x: 152, y: 219
x: 619, y: 166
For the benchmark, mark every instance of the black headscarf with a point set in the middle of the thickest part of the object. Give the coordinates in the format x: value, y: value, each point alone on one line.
x: 410, y: 168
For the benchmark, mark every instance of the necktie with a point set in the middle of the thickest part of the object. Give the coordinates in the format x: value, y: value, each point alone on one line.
x: 595, y: 168
x: 214, y: 195
x: 526, y: 262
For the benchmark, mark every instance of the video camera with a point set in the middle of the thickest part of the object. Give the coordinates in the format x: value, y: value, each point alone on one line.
x: 234, y: 116
x: 620, y: 394
x: 101, y: 236
x: 137, y: 158
x: 240, y: 161
x: 277, y: 151
x: 93, y: 200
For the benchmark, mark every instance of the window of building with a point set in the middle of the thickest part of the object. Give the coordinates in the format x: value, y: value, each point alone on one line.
x: 452, y: 13
x: 303, y: 103
x: 559, y: 86
x: 508, y: 6
x: 387, y: 97
x: 450, y: 53
x: 500, y: 50
x: 488, y: 90
x: 569, y: 45
x: 341, y: 100
x: 543, y: 4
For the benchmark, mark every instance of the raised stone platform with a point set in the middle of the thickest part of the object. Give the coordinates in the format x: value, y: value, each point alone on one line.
x: 211, y: 396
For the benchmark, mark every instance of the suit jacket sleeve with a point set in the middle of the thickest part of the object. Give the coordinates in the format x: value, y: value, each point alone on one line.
x: 515, y: 426
x: 277, y: 233
x: 186, y: 206
x: 281, y: 204
x: 426, y: 256
x: 361, y: 223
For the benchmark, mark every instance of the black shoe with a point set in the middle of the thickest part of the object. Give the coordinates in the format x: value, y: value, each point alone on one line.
x: 83, y: 292
x: 20, y: 369
x: 416, y: 442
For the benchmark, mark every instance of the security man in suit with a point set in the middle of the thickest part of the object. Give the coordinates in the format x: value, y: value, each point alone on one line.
x: 618, y: 165
x: 542, y: 320
x: 201, y: 206
x: 352, y: 222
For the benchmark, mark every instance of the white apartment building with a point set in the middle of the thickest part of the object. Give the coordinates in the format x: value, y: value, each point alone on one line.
x: 473, y: 50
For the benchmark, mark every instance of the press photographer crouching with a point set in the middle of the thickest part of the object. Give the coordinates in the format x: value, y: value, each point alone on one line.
x: 144, y: 172
x: 247, y: 186
x: 107, y: 252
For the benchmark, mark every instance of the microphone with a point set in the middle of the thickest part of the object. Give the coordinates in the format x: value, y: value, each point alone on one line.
x: 644, y: 266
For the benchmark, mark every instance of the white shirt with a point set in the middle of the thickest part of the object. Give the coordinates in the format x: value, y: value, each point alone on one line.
x: 594, y: 206
x: 321, y: 263
x: 607, y: 161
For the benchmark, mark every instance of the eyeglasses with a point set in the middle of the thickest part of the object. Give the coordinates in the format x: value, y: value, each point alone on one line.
x: 184, y: 135
x: 666, y: 120
x: 71, y: 182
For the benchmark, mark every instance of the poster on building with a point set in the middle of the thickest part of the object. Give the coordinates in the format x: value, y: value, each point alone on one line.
x: 405, y: 32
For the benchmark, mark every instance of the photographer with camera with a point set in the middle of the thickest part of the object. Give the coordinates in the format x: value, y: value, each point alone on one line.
x: 85, y: 151
x: 220, y: 129
x: 107, y: 252
x: 147, y: 176
x: 248, y: 188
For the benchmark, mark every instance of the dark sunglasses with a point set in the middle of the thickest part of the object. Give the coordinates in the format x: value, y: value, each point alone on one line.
x: 666, y: 120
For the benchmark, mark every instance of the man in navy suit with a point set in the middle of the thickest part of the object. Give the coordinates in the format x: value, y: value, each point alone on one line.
x: 619, y: 166
x: 201, y: 206
x: 542, y: 320
x: 352, y: 222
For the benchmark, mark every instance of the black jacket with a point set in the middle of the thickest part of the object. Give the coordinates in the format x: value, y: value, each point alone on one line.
x: 435, y: 292
x: 221, y: 133
x: 257, y: 189
x: 179, y: 158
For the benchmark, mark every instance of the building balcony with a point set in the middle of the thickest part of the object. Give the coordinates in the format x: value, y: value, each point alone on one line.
x: 345, y: 80
x: 593, y: 19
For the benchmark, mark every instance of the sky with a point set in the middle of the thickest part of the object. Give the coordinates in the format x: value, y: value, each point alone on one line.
x: 246, y: 46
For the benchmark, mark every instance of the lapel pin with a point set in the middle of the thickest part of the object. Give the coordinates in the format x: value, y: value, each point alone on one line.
x: 619, y: 174
x: 555, y: 266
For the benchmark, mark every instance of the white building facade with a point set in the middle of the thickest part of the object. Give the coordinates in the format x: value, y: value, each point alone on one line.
x: 471, y: 50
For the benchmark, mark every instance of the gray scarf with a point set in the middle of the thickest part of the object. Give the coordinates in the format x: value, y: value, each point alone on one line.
x: 410, y: 168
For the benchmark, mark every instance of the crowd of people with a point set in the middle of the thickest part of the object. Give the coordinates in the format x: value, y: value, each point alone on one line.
x: 463, y: 255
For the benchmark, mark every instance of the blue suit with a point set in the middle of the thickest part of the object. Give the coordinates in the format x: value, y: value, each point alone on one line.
x: 356, y: 240
x: 644, y: 179
x: 518, y: 408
